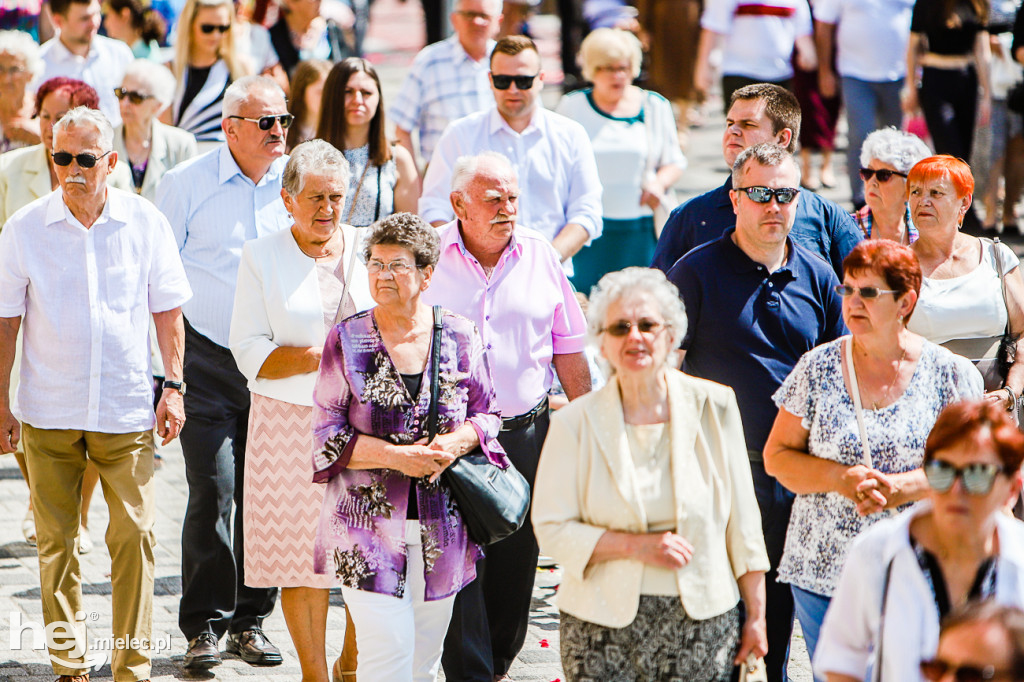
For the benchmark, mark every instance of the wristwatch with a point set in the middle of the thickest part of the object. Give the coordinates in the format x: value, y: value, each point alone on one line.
x: 178, y: 386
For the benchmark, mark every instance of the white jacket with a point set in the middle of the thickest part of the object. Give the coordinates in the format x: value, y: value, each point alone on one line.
x: 910, y: 633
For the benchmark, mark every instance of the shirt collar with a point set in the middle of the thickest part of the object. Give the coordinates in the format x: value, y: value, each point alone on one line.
x: 726, y: 188
x: 452, y: 237
x: 460, y: 56
x: 114, y: 209
x: 228, y: 168
x: 63, y: 54
x: 538, y: 123
x: 741, y: 262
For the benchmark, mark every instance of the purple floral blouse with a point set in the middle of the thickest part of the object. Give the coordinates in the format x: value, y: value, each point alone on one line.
x: 362, y: 521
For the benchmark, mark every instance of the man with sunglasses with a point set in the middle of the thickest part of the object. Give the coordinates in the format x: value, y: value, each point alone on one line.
x: 215, y: 203
x: 82, y: 269
x: 78, y: 52
x: 758, y: 113
x: 552, y: 154
x: 756, y: 301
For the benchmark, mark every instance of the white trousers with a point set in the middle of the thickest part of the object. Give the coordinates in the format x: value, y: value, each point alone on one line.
x: 400, y: 640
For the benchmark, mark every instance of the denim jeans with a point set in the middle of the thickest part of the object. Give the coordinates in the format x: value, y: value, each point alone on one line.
x: 870, y: 105
x: 810, y: 610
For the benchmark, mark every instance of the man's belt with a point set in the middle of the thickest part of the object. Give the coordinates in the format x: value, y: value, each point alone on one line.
x: 524, y: 420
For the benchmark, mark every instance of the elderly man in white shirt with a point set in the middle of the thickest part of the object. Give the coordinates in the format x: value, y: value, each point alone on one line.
x: 84, y: 267
x: 215, y: 203
x: 550, y: 153
x: 78, y: 52
x: 448, y: 80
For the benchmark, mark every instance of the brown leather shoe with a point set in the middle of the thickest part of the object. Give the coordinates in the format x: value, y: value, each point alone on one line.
x: 253, y: 647
x: 203, y: 652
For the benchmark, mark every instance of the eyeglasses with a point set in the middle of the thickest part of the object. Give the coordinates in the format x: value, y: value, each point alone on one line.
x: 133, y: 96
x: 846, y: 290
x: 614, y: 68
x: 395, y: 267
x: 936, y: 669
x: 883, y: 174
x: 643, y: 325
x: 12, y: 70
x: 210, y: 28
x: 503, y: 82
x: 762, y: 195
x: 267, y: 122
x: 84, y: 160
x: 978, y: 478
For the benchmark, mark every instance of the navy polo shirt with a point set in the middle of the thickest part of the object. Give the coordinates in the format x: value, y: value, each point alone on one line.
x: 746, y: 327
x: 821, y: 226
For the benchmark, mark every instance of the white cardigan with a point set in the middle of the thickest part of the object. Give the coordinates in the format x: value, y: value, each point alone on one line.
x: 277, y: 303
x: 910, y: 633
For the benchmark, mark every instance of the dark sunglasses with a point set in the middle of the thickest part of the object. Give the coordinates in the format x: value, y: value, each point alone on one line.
x: 978, y: 478
x: 267, y: 122
x: 936, y: 670
x: 845, y: 290
x: 210, y: 28
x: 644, y: 326
x: 503, y: 82
x: 133, y: 97
x: 883, y: 174
x: 84, y: 160
x: 762, y: 195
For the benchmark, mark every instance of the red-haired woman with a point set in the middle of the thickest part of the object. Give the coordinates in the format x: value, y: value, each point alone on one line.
x: 904, y: 575
x: 853, y: 418
x: 964, y: 305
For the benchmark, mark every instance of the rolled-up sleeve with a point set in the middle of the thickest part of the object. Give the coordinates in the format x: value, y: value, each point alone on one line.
x: 251, y: 336
x: 583, y: 207
x: 569, y: 328
x: 334, y: 438
x: 168, y: 285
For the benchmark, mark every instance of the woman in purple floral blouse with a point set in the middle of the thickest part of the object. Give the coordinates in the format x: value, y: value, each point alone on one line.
x: 389, y: 531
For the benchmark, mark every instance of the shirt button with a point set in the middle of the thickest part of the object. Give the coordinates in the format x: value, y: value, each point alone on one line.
x: 487, y: 317
x: 770, y: 285
x: 488, y: 346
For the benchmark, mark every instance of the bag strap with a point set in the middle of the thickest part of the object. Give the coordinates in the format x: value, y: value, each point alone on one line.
x: 359, y: 187
x: 865, y: 445
x: 881, y: 621
x: 352, y: 249
x: 1002, y: 276
x: 435, y: 372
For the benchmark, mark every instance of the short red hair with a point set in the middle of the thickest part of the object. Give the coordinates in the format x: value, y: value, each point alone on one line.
x: 895, y: 263
x: 961, y: 422
x: 943, y: 165
x: 80, y: 93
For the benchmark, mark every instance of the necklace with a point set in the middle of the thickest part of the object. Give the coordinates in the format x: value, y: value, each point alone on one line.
x: 328, y: 251
x: 895, y: 378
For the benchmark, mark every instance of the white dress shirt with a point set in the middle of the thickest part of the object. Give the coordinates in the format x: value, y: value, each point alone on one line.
x: 214, y: 209
x: 558, y: 181
x: 103, y: 68
x: 86, y: 295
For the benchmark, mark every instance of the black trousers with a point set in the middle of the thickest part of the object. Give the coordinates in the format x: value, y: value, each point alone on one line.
x: 214, y: 597
x: 491, y: 614
x: 949, y: 101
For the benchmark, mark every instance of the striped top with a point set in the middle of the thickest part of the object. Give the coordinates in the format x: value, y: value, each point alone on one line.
x: 201, y: 115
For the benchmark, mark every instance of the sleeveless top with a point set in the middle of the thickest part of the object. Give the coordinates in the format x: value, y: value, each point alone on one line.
x: 376, y: 197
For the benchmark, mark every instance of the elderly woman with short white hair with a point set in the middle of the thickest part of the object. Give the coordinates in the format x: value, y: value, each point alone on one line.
x: 149, y: 147
x: 886, y: 158
x: 19, y: 64
x: 644, y: 496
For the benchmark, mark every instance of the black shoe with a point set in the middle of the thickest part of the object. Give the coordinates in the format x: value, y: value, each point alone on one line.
x: 203, y: 652
x: 253, y: 647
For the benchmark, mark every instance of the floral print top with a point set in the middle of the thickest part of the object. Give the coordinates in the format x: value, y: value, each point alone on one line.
x: 361, y: 536
x: 822, y: 525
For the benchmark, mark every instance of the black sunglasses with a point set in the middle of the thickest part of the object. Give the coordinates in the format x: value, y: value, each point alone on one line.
x: 936, y: 669
x: 84, y: 160
x: 267, y: 122
x: 133, y: 96
x: 845, y: 290
x: 644, y: 326
x: 503, y: 82
x: 210, y: 28
x: 762, y: 195
x: 978, y: 478
x: 883, y: 174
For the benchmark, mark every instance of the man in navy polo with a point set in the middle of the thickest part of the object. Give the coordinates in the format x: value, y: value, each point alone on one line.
x: 756, y: 300
x: 758, y: 113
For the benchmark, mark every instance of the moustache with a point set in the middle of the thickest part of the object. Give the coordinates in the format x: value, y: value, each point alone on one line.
x: 502, y: 218
x: 275, y: 138
x: 75, y: 180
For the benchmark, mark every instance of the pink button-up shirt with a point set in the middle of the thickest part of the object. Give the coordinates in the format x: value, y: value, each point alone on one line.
x: 526, y: 312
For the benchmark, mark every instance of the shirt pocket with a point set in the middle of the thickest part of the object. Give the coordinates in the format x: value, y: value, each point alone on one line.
x: 122, y: 287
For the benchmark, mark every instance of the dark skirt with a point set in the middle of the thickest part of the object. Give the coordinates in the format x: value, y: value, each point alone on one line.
x: 819, y: 115
x: 622, y: 243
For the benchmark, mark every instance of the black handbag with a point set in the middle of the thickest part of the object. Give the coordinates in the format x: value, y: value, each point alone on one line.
x: 493, y: 501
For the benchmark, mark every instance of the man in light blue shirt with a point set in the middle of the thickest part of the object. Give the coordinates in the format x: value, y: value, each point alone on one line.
x: 215, y: 203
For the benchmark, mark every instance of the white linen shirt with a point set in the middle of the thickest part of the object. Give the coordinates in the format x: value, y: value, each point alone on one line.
x: 214, y: 209
x: 553, y: 157
x: 86, y: 295
x: 882, y: 24
x: 443, y: 84
x: 103, y: 68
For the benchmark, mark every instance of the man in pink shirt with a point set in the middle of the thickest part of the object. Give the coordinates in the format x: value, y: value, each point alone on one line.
x: 508, y: 280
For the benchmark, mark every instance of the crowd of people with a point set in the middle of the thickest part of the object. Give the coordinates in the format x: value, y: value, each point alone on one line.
x: 771, y: 409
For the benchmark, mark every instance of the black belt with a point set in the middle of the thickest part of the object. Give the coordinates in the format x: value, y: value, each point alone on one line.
x: 524, y: 420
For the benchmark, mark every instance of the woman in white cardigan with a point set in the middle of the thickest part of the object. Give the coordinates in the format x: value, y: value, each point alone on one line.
x: 644, y: 496
x: 293, y: 287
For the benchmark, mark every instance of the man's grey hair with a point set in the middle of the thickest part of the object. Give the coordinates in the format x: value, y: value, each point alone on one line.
x: 899, y: 149
x: 88, y: 117
x: 158, y: 79
x: 494, y: 8
x: 20, y: 44
x: 633, y: 281
x: 467, y: 167
x: 314, y: 157
x: 239, y: 92
x: 765, y: 154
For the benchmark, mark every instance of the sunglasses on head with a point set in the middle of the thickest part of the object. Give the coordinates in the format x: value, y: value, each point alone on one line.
x: 267, y: 122
x: 210, y: 28
x: 883, y: 174
x: 503, y: 82
x: 936, y: 669
x: 84, y: 160
x: 977, y: 478
x: 762, y: 195
x: 133, y: 96
x: 845, y: 290
x: 644, y: 326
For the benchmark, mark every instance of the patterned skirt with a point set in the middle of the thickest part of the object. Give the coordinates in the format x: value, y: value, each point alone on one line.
x: 281, y: 505
x: 662, y: 643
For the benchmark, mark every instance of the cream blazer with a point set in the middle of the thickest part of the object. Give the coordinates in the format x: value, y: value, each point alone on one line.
x: 586, y: 486
x: 168, y: 146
